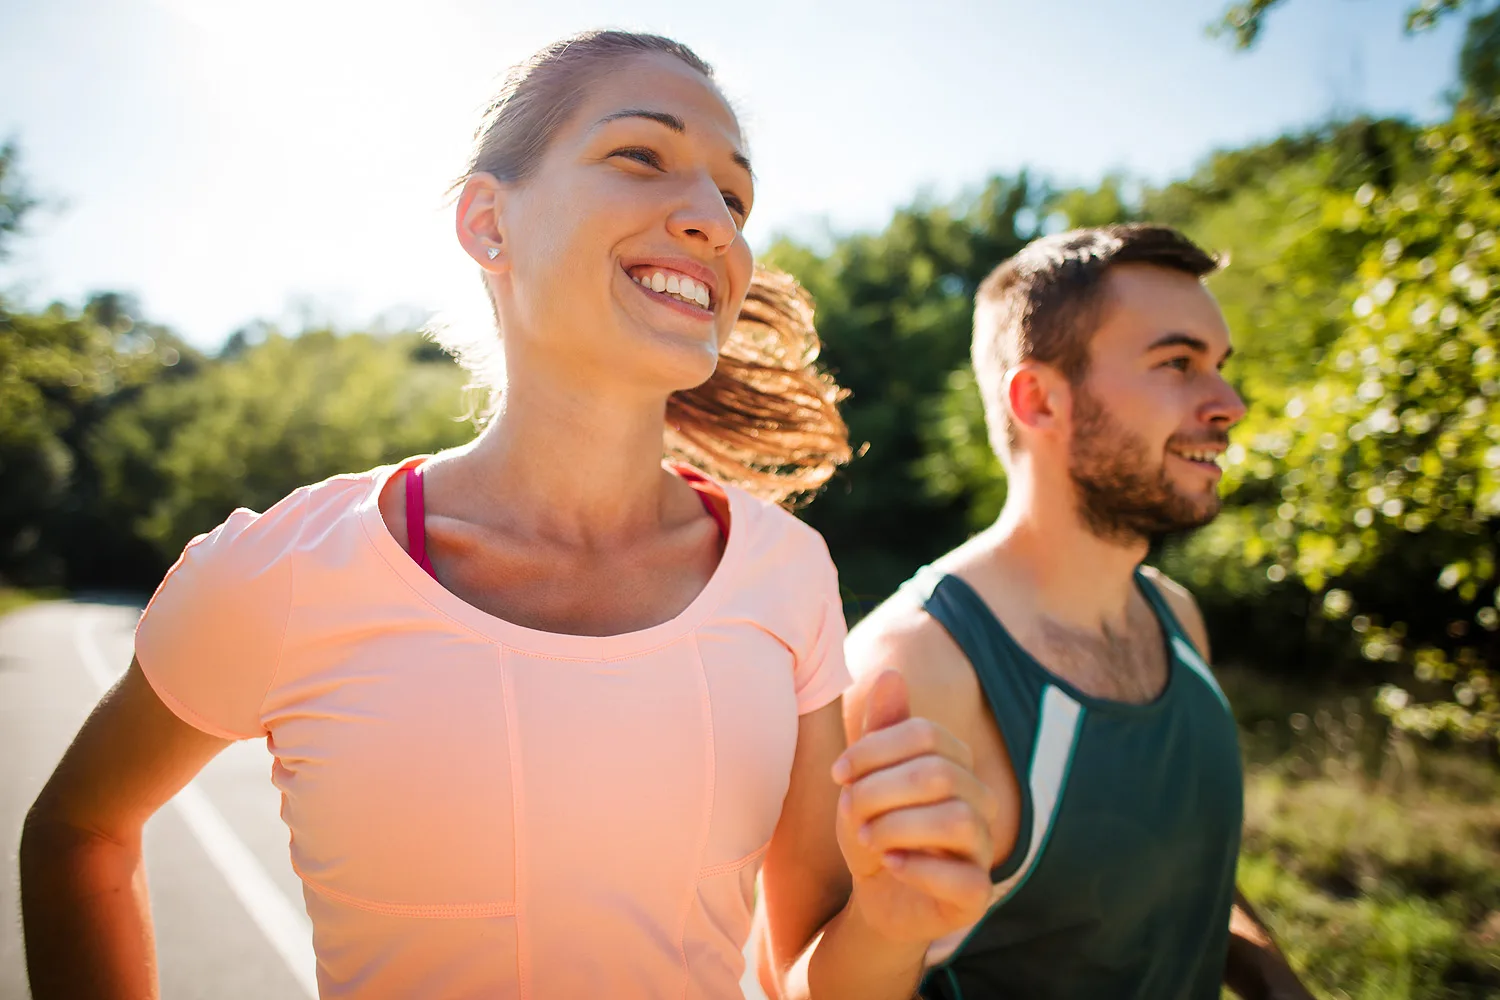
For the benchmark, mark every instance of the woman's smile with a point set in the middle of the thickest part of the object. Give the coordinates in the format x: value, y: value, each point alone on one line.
x: 686, y: 287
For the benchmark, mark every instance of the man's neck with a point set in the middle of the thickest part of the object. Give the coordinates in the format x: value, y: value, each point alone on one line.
x: 1073, y: 576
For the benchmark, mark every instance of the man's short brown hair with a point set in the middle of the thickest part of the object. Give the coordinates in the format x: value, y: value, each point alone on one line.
x: 1044, y: 304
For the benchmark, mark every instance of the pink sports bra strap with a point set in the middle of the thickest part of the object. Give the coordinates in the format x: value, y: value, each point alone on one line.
x: 707, y: 491
x: 416, y: 514
x: 713, y: 512
x: 416, y: 520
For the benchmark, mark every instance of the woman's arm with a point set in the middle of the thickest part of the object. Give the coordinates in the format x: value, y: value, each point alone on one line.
x: 83, y: 884
x: 804, y: 882
x: 859, y: 879
x: 1255, y: 968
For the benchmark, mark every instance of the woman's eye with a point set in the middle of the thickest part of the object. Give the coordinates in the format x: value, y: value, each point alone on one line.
x: 734, y: 204
x: 640, y: 154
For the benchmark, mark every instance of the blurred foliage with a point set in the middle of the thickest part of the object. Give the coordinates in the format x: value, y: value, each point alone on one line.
x: 14, y: 599
x: 1389, y: 458
x: 1374, y: 858
x: 268, y: 417
x: 1479, y: 59
x: 894, y: 313
x: 63, y: 372
x: 15, y: 200
x: 1245, y: 21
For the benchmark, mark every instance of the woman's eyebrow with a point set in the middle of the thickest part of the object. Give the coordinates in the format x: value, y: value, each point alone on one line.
x: 672, y: 122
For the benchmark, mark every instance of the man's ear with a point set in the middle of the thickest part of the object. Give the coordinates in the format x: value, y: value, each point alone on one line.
x: 479, y: 222
x: 1039, y: 398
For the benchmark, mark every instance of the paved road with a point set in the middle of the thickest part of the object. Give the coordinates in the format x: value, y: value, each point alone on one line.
x: 229, y: 916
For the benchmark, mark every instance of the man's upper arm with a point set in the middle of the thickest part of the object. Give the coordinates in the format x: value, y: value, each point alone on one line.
x: 900, y: 636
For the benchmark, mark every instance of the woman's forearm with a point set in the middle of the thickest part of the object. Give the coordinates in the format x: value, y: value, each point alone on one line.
x: 854, y: 960
x: 86, y: 915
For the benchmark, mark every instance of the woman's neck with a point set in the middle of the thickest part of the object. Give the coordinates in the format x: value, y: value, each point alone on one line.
x: 563, y: 462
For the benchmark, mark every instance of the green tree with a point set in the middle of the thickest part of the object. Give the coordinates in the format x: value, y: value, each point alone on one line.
x: 1245, y: 21
x: 1390, y: 457
x: 270, y: 417
x: 63, y: 371
x: 894, y: 312
x: 1479, y: 59
x: 15, y: 200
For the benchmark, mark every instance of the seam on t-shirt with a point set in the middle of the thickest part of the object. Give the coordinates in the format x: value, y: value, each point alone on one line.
x: 291, y: 584
x: 193, y: 543
x: 178, y: 707
x: 824, y: 698
x: 415, y: 592
x: 188, y: 715
x: 706, y: 706
x: 440, y: 911
x: 713, y: 871
x: 517, y: 807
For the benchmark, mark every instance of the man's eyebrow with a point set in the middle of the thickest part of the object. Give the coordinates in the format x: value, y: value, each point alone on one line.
x: 1195, y: 344
x: 674, y: 123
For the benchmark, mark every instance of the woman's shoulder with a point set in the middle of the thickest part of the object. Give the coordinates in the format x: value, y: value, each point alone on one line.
x: 776, y: 533
x: 214, y: 633
x: 294, y: 526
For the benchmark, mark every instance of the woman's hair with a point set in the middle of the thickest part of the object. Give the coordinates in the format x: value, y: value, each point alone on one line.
x: 767, y: 419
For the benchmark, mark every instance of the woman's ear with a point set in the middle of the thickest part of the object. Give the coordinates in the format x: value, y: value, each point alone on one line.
x: 478, y: 222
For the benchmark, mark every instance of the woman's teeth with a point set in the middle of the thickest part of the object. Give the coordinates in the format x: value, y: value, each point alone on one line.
x: 677, y: 286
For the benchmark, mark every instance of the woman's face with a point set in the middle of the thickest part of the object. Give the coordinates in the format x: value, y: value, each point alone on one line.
x: 622, y: 257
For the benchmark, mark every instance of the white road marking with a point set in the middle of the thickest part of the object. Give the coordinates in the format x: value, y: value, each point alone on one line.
x: 284, y: 925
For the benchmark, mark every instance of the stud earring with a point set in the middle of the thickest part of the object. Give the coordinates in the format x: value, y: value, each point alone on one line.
x: 493, y: 252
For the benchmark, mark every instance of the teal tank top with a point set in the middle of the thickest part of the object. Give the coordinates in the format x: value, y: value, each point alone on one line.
x: 1122, y: 877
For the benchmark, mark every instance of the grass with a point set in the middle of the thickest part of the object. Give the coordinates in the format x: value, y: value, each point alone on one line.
x: 1375, y: 860
x: 12, y: 598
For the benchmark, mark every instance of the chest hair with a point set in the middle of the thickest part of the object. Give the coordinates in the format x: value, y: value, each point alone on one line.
x: 1126, y: 663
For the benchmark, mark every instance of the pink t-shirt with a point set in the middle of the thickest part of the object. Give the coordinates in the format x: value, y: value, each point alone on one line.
x: 479, y: 809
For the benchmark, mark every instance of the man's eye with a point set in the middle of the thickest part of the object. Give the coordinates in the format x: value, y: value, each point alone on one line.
x: 1181, y: 364
x: 640, y: 154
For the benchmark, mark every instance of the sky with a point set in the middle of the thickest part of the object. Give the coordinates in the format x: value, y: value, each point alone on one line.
x: 286, y: 160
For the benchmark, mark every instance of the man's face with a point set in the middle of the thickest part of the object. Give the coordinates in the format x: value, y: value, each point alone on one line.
x: 1151, y: 418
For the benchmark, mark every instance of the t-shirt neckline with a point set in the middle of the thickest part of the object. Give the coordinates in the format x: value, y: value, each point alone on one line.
x: 551, y: 644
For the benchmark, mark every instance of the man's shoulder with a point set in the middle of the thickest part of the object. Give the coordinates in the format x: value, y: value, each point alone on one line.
x: 900, y: 635
x: 1183, y: 606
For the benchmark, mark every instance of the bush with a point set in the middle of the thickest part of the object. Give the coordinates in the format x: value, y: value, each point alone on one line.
x: 1374, y: 858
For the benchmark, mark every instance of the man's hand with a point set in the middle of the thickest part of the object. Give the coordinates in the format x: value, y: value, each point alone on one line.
x: 913, y: 822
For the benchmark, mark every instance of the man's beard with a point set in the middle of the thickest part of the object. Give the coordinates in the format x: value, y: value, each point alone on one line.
x: 1122, y: 495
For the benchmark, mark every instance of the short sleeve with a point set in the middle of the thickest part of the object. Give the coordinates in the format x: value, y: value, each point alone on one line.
x: 821, y: 673
x: 210, y: 639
